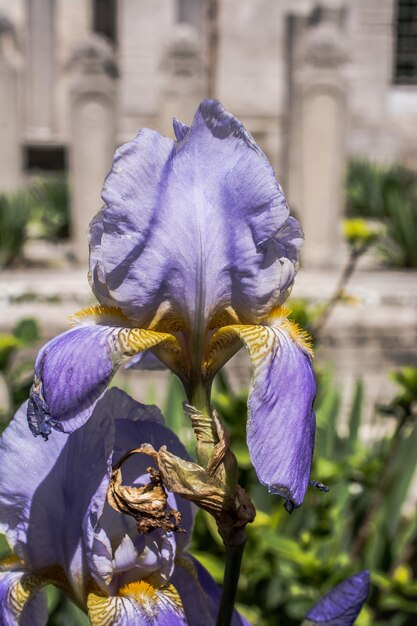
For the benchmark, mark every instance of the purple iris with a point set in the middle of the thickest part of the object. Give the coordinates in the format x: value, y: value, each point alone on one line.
x: 54, y: 513
x: 341, y: 606
x: 191, y: 257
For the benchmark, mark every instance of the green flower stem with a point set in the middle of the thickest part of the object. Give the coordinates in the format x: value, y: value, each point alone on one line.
x: 234, y: 554
x: 234, y: 537
x: 347, y: 272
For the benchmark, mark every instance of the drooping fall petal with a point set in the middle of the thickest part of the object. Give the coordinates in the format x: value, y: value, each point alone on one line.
x: 74, y: 369
x: 22, y: 602
x: 138, y: 603
x: 281, y: 420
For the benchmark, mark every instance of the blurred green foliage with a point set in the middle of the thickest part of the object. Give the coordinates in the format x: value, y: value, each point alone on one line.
x: 389, y: 195
x: 16, y: 368
x: 50, y: 207
x: 291, y: 560
x: 15, y: 210
x: 360, y: 234
x: 42, y: 208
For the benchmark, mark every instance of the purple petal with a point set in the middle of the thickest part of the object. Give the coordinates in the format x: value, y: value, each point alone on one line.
x: 135, y: 424
x: 341, y: 606
x: 42, y: 515
x: 180, y: 129
x: 158, y: 435
x: 198, y: 225
x: 281, y: 421
x: 145, y: 361
x: 200, y: 594
x: 135, y: 607
x: 21, y: 609
x: 74, y: 369
x: 71, y: 372
x: 119, y: 405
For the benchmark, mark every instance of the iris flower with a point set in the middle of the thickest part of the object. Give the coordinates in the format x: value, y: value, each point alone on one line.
x: 192, y: 256
x: 54, y: 513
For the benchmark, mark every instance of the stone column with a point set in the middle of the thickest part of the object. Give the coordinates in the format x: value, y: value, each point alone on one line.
x: 10, y: 152
x: 93, y: 133
x: 184, y: 78
x: 40, y: 67
x: 318, y: 119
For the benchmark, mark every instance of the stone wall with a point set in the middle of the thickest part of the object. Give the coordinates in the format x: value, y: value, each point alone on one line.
x: 253, y: 68
x: 258, y: 75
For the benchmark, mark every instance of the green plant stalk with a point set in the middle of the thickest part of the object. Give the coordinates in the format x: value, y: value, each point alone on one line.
x: 365, y: 529
x: 199, y: 396
x: 348, y: 270
x: 234, y: 554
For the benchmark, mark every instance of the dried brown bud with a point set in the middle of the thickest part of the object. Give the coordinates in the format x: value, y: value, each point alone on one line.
x: 212, y: 487
x: 147, y: 504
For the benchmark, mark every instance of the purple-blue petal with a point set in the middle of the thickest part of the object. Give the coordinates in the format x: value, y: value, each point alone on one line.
x: 341, y: 606
x: 33, y: 613
x: 145, y: 361
x: 43, y: 515
x: 135, y: 424
x: 200, y: 595
x: 130, y: 430
x: 281, y: 423
x: 199, y: 224
x: 71, y: 372
x: 180, y: 129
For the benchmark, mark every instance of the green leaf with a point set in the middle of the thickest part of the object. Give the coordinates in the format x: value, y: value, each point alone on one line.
x: 355, y: 417
x: 27, y: 331
x: 8, y: 345
x: 212, y: 564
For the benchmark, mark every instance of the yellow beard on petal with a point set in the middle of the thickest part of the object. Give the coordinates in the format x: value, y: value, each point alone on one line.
x: 278, y: 317
x: 104, y: 610
x: 100, y: 314
x: 143, y: 593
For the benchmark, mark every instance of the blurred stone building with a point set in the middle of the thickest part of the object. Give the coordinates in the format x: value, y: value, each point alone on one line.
x: 313, y: 80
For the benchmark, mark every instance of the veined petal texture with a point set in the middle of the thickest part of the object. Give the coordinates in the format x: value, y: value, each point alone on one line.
x: 193, y: 226
x: 74, y: 369
x: 46, y: 491
x: 21, y: 601
x: 53, y: 506
x: 341, y: 606
x: 281, y: 420
x: 141, y: 604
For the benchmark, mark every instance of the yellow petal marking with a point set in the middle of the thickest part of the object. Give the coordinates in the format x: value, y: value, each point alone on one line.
x: 10, y: 562
x: 106, y: 610
x: 128, y: 340
x: 100, y: 314
x: 22, y: 590
x: 260, y: 339
x: 278, y: 317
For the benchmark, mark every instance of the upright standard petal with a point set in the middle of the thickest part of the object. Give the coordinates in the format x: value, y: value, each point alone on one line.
x: 193, y: 227
x: 281, y: 421
x: 341, y: 606
x: 111, y: 539
x: 74, y: 369
x: 46, y: 493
